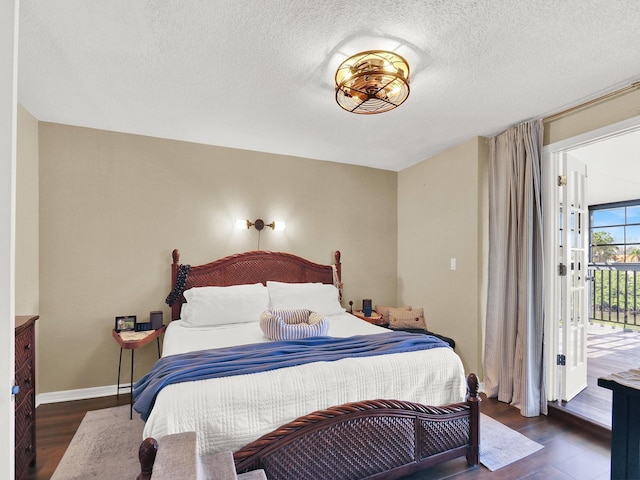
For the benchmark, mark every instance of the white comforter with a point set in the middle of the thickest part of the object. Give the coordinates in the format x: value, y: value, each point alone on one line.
x: 227, y: 413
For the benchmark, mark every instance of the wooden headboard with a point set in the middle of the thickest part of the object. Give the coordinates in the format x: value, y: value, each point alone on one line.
x: 245, y: 268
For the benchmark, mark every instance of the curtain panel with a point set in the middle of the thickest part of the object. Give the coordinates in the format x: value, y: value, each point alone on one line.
x: 513, y: 352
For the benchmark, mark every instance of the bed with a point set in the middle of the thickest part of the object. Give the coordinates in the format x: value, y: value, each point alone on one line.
x: 273, y: 419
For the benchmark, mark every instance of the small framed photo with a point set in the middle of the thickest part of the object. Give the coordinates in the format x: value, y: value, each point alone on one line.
x: 126, y: 323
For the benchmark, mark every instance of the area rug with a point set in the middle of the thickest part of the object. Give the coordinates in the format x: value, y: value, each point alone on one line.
x: 501, y: 445
x: 105, y: 446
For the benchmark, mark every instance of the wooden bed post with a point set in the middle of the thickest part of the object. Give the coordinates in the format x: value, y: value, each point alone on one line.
x: 473, y: 455
x: 338, y: 266
x: 147, y: 456
x: 175, y: 266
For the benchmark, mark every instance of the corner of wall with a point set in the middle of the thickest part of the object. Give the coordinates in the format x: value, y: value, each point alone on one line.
x: 27, y: 214
x: 483, y: 246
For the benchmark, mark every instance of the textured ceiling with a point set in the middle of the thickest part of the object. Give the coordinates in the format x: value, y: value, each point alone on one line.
x: 258, y: 75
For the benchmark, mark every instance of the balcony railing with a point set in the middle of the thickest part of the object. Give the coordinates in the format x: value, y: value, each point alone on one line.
x: 615, y: 294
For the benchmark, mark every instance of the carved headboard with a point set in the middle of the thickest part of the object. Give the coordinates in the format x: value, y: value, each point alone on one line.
x: 246, y: 268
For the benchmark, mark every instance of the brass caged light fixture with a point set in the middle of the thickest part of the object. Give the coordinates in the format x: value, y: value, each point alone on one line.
x: 370, y: 82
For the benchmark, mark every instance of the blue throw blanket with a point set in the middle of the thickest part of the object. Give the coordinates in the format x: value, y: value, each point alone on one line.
x: 261, y: 357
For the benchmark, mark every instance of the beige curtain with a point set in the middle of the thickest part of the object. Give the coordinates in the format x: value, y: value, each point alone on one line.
x: 514, y: 364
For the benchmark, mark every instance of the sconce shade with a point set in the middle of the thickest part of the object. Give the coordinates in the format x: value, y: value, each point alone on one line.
x: 243, y: 224
x: 370, y: 82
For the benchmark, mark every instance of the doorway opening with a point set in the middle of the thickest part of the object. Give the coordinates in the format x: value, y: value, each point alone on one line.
x: 611, y: 157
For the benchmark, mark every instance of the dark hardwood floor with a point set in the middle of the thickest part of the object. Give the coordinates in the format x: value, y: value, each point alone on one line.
x: 571, y: 451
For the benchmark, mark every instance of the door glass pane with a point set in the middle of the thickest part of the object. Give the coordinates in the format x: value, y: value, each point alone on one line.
x: 560, y: 223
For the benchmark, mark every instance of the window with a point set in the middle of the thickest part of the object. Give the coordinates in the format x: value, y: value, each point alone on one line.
x: 615, y: 232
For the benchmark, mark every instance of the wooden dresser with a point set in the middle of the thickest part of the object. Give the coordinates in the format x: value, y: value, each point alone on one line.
x: 26, y: 397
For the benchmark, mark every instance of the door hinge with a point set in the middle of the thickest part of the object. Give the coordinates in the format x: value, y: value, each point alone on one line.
x: 562, y: 270
x: 561, y: 360
x: 562, y: 180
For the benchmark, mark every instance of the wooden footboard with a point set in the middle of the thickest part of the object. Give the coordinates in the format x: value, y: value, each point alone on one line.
x: 374, y: 439
x: 378, y: 439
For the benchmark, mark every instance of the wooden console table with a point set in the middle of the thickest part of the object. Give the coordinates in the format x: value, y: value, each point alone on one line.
x: 625, y: 426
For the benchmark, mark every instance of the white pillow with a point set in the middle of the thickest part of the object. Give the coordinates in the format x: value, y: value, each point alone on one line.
x: 207, y: 306
x: 317, y: 297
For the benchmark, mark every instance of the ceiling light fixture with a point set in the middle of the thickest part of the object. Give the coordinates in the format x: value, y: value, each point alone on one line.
x: 374, y: 81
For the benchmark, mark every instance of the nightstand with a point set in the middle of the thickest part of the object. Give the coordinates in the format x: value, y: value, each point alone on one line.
x: 375, y: 318
x: 133, y: 345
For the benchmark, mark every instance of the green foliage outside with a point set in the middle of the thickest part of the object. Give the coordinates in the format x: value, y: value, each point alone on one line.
x: 602, y: 251
x: 615, y: 289
x: 616, y: 293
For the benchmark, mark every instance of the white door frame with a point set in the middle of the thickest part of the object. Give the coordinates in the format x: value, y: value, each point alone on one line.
x: 550, y: 154
x: 8, y: 115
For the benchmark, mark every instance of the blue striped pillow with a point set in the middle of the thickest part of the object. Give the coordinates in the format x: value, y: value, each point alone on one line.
x: 293, y: 324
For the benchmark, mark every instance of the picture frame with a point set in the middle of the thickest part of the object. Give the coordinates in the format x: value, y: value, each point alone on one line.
x: 125, y: 323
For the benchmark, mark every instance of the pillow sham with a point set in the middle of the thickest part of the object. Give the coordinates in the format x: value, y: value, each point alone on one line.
x: 317, y: 297
x: 402, y: 319
x: 293, y: 324
x: 383, y: 310
x: 210, y: 306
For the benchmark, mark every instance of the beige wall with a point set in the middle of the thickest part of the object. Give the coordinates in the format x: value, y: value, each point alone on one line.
x: 113, y: 206
x: 110, y: 201
x: 27, y: 216
x: 442, y: 214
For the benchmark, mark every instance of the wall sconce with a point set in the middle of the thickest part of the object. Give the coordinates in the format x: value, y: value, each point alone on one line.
x: 259, y: 224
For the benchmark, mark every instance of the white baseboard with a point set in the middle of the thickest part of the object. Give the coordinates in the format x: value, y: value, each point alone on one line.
x: 79, y: 394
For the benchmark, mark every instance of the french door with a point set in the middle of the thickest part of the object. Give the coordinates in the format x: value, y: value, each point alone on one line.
x: 573, y: 274
x: 566, y: 247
